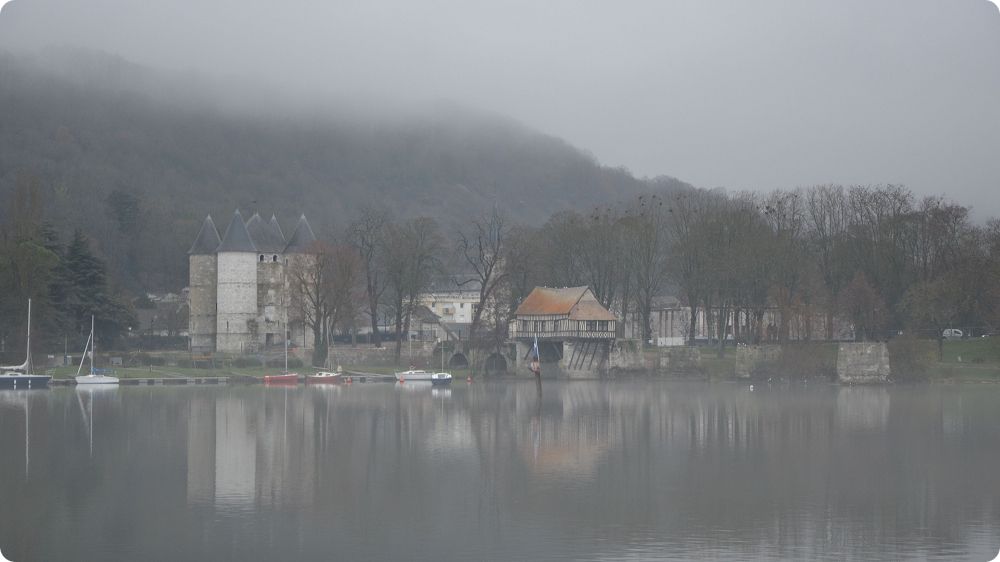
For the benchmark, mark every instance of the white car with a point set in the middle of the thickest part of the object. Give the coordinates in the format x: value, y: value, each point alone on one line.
x: 953, y: 334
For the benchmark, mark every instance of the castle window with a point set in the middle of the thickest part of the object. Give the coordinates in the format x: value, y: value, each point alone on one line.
x: 274, y: 258
x: 261, y: 258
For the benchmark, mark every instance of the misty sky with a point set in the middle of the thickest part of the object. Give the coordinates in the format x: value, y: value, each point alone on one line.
x: 755, y: 94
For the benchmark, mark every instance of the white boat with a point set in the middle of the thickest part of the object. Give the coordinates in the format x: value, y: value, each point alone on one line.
x: 419, y: 375
x: 95, y: 376
x: 325, y: 377
x: 441, y: 378
x: 21, y: 376
x: 414, y: 375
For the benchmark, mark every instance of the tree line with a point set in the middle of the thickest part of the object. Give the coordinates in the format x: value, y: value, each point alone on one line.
x: 876, y: 258
x: 66, y: 281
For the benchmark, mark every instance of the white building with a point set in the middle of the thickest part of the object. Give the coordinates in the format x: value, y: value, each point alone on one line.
x: 454, y: 299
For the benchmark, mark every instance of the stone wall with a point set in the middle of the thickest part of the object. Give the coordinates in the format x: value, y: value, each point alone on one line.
x: 627, y: 355
x: 271, y: 292
x: 750, y: 360
x: 202, y: 302
x: 237, y: 302
x: 863, y: 363
x: 679, y: 361
x: 584, y: 359
x: 422, y: 355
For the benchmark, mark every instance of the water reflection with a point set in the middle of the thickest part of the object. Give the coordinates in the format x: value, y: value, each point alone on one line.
x: 500, y: 471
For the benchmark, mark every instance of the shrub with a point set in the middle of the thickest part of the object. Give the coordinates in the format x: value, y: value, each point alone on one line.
x: 245, y: 362
x: 293, y: 363
x: 910, y: 358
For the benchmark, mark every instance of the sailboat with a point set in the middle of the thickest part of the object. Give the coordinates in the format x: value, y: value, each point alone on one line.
x: 21, y: 376
x: 94, y: 377
x: 285, y: 377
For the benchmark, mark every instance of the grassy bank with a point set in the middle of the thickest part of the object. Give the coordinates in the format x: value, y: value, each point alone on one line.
x: 969, y: 360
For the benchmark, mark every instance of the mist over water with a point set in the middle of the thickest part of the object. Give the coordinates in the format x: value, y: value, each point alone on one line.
x: 762, y: 95
x: 589, y: 471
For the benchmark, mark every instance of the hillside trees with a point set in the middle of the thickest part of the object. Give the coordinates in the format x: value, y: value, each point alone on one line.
x: 66, y: 285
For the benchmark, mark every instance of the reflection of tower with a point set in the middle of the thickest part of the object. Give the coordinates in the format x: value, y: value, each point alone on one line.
x: 862, y: 407
x: 201, y: 451
x: 237, y: 289
x: 235, y: 453
x: 286, y: 450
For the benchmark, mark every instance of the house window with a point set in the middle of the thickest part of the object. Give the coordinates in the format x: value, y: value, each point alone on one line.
x: 461, y: 305
x: 538, y: 325
x: 524, y: 325
x: 261, y: 258
x: 591, y: 325
x: 274, y: 258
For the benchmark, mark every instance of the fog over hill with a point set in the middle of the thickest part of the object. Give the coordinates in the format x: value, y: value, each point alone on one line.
x: 114, y: 145
x: 747, y: 95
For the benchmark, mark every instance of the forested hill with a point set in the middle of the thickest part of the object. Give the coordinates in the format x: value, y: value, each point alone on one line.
x: 137, y: 169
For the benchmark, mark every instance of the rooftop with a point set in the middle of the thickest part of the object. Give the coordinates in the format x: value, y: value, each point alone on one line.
x: 578, y: 303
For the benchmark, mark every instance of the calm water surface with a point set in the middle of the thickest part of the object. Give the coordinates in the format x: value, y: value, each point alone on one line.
x: 589, y: 471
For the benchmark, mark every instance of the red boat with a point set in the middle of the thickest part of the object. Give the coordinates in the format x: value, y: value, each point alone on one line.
x: 287, y: 378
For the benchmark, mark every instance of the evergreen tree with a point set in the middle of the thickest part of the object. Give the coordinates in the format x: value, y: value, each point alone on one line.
x: 82, y: 290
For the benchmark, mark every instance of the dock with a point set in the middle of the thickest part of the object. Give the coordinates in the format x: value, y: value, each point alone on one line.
x: 359, y: 376
x: 151, y: 381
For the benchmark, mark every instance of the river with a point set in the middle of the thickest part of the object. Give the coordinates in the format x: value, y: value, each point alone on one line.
x: 628, y: 470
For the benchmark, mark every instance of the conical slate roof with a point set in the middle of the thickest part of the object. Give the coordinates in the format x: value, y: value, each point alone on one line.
x: 265, y: 236
x: 236, y: 238
x: 302, y: 238
x: 277, y: 227
x: 208, y: 239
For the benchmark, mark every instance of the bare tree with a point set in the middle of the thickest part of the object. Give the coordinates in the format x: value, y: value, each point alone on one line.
x: 483, y: 248
x: 646, y: 250
x: 411, y: 257
x: 366, y: 235
x: 690, y: 250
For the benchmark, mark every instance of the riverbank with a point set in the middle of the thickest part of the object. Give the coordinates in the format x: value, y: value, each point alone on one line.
x: 233, y: 374
x: 974, y: 360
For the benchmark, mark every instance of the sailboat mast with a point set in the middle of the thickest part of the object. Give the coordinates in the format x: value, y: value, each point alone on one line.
x: 285, y: 336
x: 85, y: 348
x: 93, y: 344
x: 30, y: 367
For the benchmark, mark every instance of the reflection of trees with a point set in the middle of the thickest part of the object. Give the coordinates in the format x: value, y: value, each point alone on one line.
x: 246, y: 471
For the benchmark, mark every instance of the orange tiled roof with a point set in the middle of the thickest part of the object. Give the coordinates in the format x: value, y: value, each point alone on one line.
x: 567, y: 301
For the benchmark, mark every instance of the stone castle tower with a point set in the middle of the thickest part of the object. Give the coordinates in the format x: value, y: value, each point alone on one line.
x: 239, y: 289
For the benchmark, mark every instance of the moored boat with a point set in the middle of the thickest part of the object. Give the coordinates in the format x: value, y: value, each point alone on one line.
x: 324, y: 377
x: 285, y: 378
x: 438, y: 379
x: 21, y: 376
x: 414, y: 375
x: 96, y: 376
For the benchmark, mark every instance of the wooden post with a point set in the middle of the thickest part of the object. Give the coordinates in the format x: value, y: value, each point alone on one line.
x: 536, y: 367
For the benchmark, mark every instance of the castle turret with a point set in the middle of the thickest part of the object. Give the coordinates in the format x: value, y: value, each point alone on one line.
x: 202, y: 293
x: 302, y: 239
x: 236, y: 327
x: 271, y: 293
